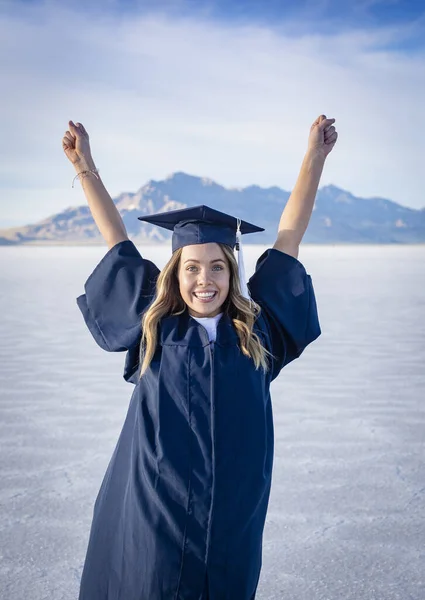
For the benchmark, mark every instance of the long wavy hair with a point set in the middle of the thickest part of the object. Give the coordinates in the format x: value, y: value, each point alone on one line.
x: 168, y: 301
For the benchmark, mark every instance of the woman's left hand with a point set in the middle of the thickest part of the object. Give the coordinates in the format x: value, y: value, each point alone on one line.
x: 322, y: 136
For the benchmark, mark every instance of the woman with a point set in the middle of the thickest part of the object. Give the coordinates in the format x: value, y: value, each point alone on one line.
x: 181, y: 509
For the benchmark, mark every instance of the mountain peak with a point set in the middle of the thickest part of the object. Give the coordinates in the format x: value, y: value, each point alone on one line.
x: 179, y: 176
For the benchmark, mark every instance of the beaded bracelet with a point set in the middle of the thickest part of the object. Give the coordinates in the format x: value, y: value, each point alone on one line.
x: 94, y: 171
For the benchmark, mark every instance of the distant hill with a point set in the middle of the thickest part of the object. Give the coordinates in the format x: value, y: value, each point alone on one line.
x: 338, y: 216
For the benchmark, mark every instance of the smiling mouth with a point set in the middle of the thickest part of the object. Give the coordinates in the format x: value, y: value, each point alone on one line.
x: 205, y: 296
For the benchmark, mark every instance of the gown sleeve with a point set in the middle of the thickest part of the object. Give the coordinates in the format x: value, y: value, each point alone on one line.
x: 284, y: 291
x: 116, y: 294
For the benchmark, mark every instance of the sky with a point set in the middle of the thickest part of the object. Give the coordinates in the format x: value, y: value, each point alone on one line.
x: 223, y: 89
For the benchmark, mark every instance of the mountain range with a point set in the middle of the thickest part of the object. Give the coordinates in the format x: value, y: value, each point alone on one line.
x: 338, y: 216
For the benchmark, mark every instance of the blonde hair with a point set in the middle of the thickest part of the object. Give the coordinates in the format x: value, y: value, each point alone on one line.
x: 168, y: 301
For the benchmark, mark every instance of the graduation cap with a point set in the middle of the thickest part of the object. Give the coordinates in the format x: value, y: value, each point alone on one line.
x: 201, y: 225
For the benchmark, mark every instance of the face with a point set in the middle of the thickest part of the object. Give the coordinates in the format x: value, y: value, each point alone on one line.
x: 204, y: 277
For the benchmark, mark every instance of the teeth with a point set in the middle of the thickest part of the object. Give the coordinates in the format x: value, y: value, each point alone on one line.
x: 205, y: 294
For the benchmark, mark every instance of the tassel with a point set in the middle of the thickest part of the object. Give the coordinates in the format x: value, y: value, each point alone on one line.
x: 241, y: 266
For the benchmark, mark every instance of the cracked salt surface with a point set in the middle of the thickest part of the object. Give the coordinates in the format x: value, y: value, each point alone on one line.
x: 346, y: 517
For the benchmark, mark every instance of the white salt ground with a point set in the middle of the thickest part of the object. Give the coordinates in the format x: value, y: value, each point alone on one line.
x: 347, y: 509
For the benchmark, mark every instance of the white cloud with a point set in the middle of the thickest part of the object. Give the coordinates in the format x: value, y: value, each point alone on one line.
x: 159, y: 95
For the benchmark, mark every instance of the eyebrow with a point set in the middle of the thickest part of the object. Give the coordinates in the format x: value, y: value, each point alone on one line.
x: 198, y: 261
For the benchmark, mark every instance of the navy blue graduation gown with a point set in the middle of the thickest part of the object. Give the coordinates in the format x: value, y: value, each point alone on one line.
x: 181, y: 510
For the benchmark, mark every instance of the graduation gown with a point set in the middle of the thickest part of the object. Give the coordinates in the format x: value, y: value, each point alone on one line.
x: 181, y: 509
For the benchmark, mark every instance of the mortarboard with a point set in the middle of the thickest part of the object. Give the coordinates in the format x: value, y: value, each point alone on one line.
x: 201, y: 225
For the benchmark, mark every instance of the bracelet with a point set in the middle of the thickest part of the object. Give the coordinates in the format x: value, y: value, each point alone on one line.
x: 94, y: 171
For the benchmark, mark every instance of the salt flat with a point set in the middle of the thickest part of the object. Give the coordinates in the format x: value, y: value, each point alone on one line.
x: 347, y: 511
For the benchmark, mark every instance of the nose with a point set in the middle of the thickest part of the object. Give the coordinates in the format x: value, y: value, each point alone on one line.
x: 203, y: 277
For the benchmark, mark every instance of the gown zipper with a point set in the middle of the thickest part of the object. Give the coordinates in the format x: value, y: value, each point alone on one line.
x: 211, y: 350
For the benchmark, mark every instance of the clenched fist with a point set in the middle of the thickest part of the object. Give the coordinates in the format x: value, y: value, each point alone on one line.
x: 322, y: 136
x: 75, y: 144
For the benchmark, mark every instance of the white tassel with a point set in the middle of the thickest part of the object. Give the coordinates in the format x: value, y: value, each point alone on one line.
x: 241, y: 266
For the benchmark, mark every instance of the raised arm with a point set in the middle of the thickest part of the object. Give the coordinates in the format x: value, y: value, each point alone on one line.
x: 297, y: 212
x: 76, y: 146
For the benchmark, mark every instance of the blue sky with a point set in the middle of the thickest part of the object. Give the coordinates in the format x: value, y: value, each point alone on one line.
x: 220, y: 89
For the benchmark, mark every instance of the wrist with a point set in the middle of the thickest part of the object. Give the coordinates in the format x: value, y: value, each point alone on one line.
x: 84, y: 168
x: 316, y: 155
x: 84, y: 164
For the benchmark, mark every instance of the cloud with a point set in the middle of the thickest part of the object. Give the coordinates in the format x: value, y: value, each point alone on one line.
x: 232, y: 102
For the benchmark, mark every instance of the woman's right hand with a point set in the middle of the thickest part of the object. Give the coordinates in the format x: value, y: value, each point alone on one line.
x: 75, y: 144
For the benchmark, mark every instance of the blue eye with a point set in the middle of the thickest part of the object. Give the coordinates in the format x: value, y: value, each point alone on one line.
x: 193, y: 268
